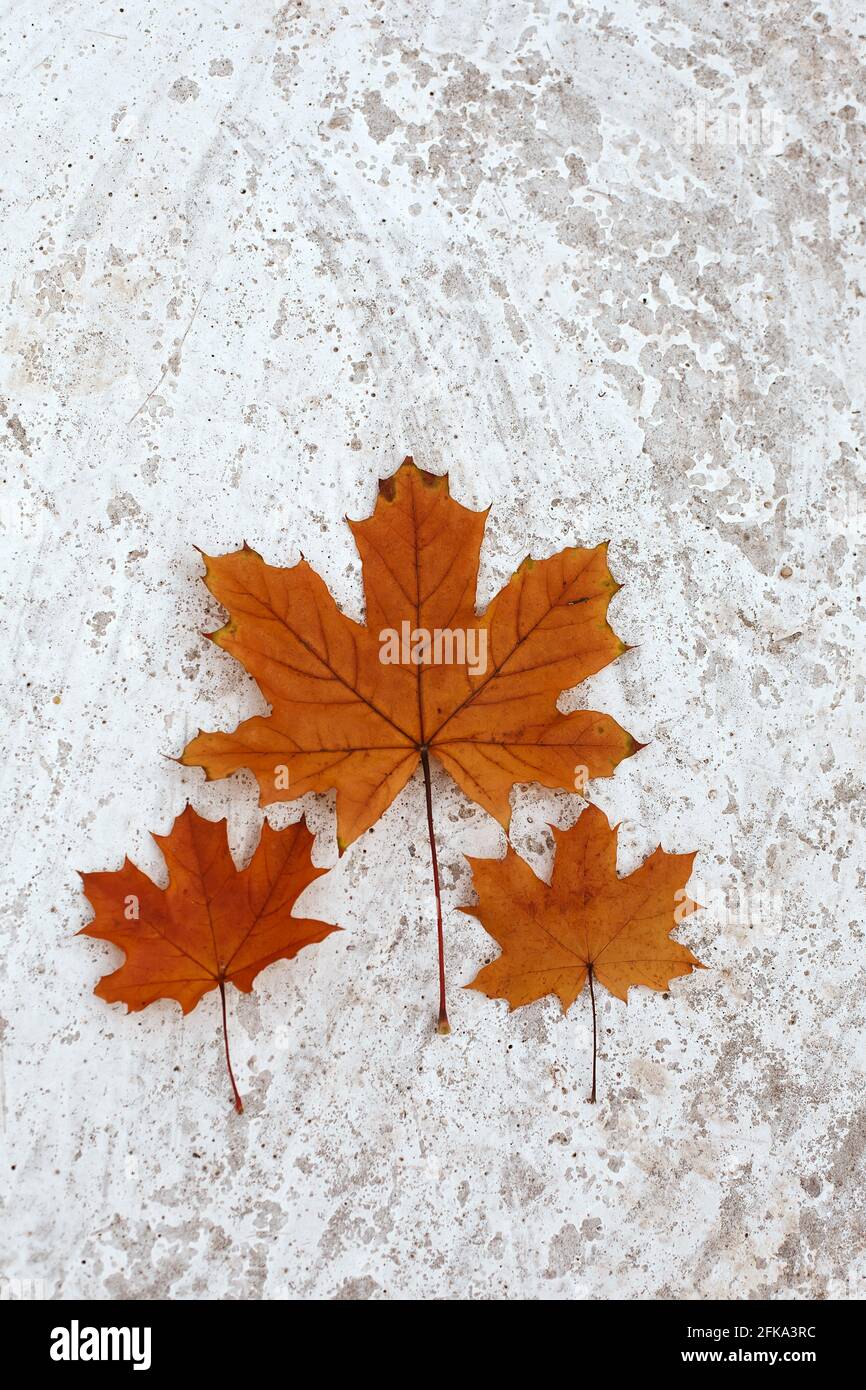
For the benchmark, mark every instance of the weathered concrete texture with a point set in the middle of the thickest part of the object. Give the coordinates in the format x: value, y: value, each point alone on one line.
x: 252, y: 262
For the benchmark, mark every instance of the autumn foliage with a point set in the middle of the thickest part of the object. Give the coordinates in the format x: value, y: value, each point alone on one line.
x: 212, y: 925
x: 342, y: 719
x: 587, y: 924
x: 357, y: 707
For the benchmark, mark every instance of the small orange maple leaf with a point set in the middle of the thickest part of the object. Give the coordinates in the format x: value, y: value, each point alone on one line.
x: 587, y: 924
x: 356, y: 706
x: 211, y: 924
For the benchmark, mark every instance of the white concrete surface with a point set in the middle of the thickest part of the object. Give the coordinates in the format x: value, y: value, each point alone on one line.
x: 253, y: 258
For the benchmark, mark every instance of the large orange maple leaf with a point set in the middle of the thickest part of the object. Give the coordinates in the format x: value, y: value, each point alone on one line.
x: 586, y: 925
x: 349, y: 714
x: 212, y: 924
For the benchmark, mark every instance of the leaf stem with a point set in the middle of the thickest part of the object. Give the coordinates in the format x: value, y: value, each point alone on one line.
x: 443, y: 1026
x: 239, y: 1105
x: 594, y: 1036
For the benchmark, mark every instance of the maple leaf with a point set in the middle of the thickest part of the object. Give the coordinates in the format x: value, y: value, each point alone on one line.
x: 587, y: 924
x: 345, y: 717
x: 212, y: 924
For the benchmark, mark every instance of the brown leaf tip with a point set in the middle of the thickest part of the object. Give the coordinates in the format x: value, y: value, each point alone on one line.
x: 388, y: 487
x: 433, y: 479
